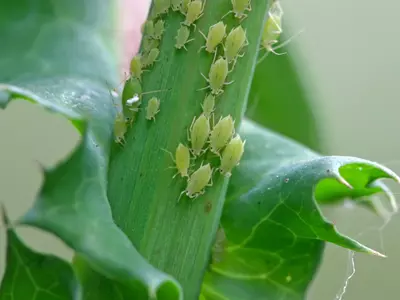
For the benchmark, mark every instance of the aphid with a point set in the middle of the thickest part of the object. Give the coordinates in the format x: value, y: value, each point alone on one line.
x: 199, y: 132
x: 208, y: 105
x: 160, y: 7
x: 158, y: 29
x: 120, y: 128
x: 185, y: 6
x: 198, y: 181
x: 234, y: 42
x: 182, y: 160
x: 239, y: 8
x: 194, y: 12
x: 219, y: 246
x: 216, y: 34
x: 231, y: 155
x: 221, y: 134
x: 217, y: 76
x: 176, y: 5
x: 136, y: 67
x: 147, y: 28
x: 151, y: 57
x: 153, y: 107
x: 182, y: 37
x: 149, y: 43
x: 272, y: 30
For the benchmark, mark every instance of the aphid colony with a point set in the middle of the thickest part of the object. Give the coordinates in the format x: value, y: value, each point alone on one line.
x: 220, y: 140
x: 226, y: 47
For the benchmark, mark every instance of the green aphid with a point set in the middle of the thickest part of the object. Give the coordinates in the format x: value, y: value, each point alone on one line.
x: 150, y: 58
x: 148, y: 44
x: 160, y: 7
x: 221, y: 134
x: 194, y: 12
x: 198, y: 181
x: 136, y: 67
x: 158, y: 29
x: 147, y: 29
x: 199, y: 132
x: 153, y: 108
x: 185, y: 6
x: 208, y: 105
x: 216, y: 34
x: 217, y: 76
x: 182, y: 37
x: 234, y: 43
x: 181, y: 160
x: 239, y: 8
x: 231, y: 155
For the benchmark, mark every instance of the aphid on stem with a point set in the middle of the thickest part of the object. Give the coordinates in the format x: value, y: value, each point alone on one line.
x: 234, y: 43
x: 216, y: 34
x: 160, y: 7
x: 147, y: 29
x: 217, y: 76
x: 182, y: 37
x: 221, y: 134
x: 208, y: 105
x: 153, y: 108
x: 149, y: 59
x: 136, y: 67
x: 120, y: 123
x: 231, y: 155
x: 182, y: 160
x: 239, y: 8
x: 158, y: 29
x: 198, y: 181
x: 148, y: 44
x: 194, y: 12
x: 198, y: 134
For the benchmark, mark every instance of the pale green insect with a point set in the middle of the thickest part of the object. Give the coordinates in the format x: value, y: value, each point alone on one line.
x: 176, y: 5
x: 272, y: 30
x: 216, y: 34
x: 231, y: 155
x: 149, y: 43
x: 217, y: 76
x: 239, y: 8
x: 221, y: 134
x: 153, y: 108
x: 120, y: 128
x: 185, y: 6
x: 194, y: 12
x: 182, y: 160
x: 136, y: 67
x: 147, y: 29
x: 151, y: 57
x: 182, y: 37
x: 198, y: 181
x: 199, y: 132
x: 160, y: 7
x: 208, y: 105
x: 235, y: 41
x: 158, y: 29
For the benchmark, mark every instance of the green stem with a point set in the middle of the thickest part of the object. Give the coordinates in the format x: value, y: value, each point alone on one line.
x: 176, y: 237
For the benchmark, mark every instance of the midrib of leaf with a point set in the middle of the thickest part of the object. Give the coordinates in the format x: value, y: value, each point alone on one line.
x: 177, y: 237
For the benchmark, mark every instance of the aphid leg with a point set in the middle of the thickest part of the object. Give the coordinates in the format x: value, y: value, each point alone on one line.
x: 204, y: 36
x: 215, y: 54
x: 181, y: 195
x: 165, y: 150
x: 228, y: 83
x: 229, y: 12
x: 202, y: 47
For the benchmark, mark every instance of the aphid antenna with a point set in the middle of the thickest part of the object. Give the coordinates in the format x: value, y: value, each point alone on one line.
x: 288, y: 40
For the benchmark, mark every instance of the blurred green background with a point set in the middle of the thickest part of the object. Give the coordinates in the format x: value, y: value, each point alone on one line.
x: 346, y: 57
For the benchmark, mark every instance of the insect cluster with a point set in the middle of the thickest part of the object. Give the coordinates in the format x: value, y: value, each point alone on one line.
x: 205, y: 138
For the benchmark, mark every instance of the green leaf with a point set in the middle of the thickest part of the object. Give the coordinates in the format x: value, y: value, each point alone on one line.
x: 32, y: 275
x: 273, y: 226
x: 65, y: 71
x: 281, y: 96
